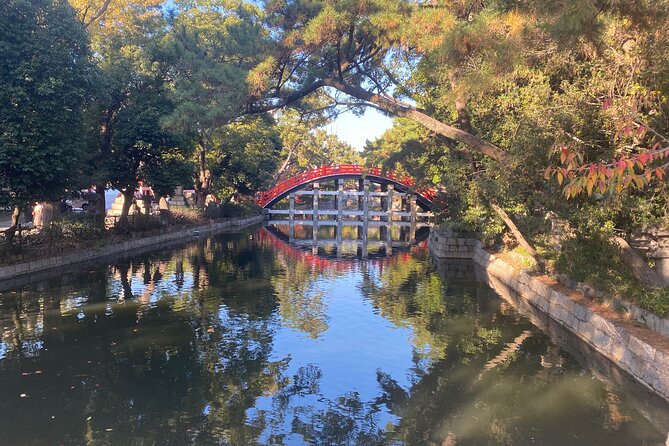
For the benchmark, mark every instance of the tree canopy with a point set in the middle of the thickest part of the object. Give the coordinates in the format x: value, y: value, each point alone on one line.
x: 514, y: 110
x: 45, y: 79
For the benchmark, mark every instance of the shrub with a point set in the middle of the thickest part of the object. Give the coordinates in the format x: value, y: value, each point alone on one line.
x: 140, y: 223
x: 597, y: 262
x: 74, y: 227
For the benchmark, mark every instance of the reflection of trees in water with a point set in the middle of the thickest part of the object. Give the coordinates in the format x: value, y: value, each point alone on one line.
x: 163, y: 366
x: 298, y: 409
x: 301, y: 299
x: 185, y: 357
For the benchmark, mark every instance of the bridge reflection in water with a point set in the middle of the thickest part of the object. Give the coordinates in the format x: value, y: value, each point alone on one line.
x: 346, y: 216
x: 327, y: 245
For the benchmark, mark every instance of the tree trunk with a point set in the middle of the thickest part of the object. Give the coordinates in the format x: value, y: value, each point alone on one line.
x: 514, y: 230
x: 464, y: 122
x: 284, y: 166
x: 649, y: 279
x: 398, y: 108
x: 100, y: 203
x: 204, y: 183
x: 14, y: 225
x: 128, y: 195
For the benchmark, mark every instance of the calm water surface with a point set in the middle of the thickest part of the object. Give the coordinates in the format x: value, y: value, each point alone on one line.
x: 239, y: 339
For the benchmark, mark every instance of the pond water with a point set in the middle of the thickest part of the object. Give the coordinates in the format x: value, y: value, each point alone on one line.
x: 241, y: 339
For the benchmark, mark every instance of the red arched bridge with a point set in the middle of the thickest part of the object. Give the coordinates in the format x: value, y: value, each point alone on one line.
x: 345, y: 171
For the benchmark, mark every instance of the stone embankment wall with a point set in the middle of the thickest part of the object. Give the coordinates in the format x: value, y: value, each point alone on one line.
x: 637, y: 350
x: 447, y: 244
x: 642, y: 352
x: 653, y: 407
x: 86, y: 255
x: 650, y: 320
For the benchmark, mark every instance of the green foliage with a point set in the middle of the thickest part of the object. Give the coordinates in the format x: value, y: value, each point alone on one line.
x: 243, y: 156
x: 534, y: 78
x: 186, y: 216
x: 140, y: 223
x: 73, y: 227
x: 305, y: 142
x: 213, y: 46
x: 597, y: 262
x: 170, y: 170
x: 139, y: 142
x: 45, y: 81
x: 231, y: 210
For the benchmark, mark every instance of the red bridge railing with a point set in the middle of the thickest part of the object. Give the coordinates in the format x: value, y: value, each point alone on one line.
x: 303, y: 178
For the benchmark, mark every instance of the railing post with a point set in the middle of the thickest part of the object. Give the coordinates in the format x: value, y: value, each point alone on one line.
x: 340, y: 212
x: 413, y: 210
x: 315, y: 213
x: 365, y: 210
x: 291, y: 218
x: 389, y: 219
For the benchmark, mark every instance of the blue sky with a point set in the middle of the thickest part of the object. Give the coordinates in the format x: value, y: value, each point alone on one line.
x: 356, y: 130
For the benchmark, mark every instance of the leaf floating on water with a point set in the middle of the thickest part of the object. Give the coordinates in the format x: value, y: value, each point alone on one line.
x: 210, y: 330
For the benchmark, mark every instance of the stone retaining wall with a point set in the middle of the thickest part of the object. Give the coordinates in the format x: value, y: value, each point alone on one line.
x: 637, y: 350
x: 79, y: 256
x: 447, y: 244
x: 649, y: 319
x: 653, y: 407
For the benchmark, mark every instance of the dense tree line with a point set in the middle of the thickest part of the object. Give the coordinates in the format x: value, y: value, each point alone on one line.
x: 518, y: 110
x: 112, y: 93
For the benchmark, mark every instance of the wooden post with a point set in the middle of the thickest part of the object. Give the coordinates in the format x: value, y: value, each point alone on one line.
x: 361, y: 188
x: 413, y: 211
x: 291, y: 218
x: 340, y: 214
x: 389, y: 219
x: 315, y: 214
x: 365, y: 210
x: 383, y: 229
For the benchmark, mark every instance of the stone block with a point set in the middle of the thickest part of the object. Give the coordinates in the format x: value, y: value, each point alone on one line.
x: 641, y: 349
x: 653, y: 377
x: 541, y: 303
x: 602, y: 341
x: 582, y: 312
x: 632, y: 363
x: 567, y: 303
